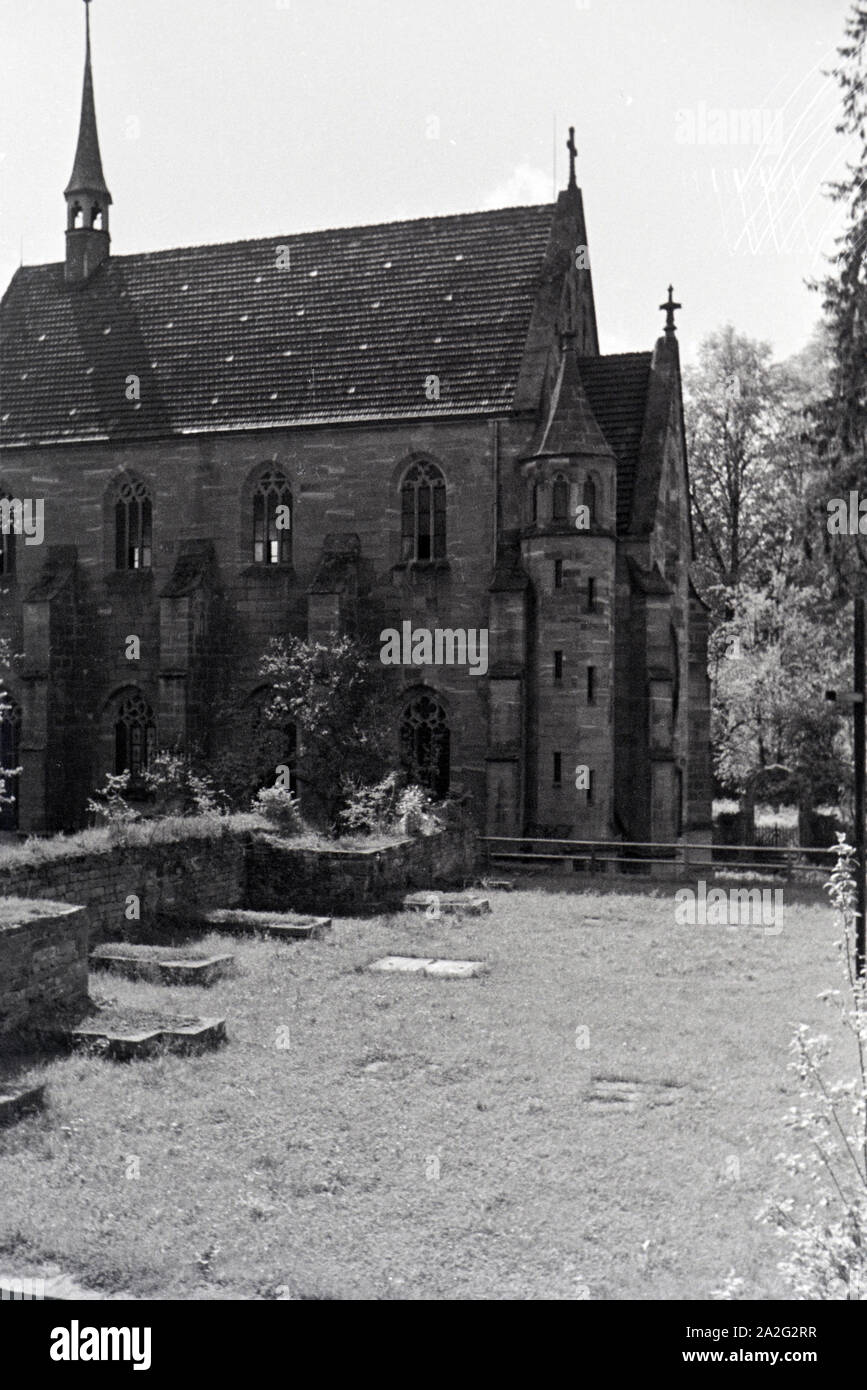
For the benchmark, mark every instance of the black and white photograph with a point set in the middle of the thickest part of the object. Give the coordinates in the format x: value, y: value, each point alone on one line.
x: 433, y: 568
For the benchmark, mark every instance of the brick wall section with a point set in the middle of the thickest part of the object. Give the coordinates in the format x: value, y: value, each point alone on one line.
x: 186, y: 876
x: 281, y: 876
x: 194, y: 876
x: 43, y: 965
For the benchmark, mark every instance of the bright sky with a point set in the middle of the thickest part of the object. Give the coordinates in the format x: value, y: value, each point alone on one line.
x: 705, y: 129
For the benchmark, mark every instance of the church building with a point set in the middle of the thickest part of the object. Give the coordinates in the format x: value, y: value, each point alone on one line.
x: 356, y: 429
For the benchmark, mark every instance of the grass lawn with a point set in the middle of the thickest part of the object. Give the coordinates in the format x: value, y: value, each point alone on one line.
x: 304, y: 1154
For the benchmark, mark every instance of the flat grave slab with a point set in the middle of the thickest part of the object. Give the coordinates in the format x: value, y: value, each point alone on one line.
x: 472, y: 904
x: 17, y: 1100
x: 286, y: 925
x: 456, y: 969
x: 613, y: 1095
x: 125, y: 1033
x: 498, y: 885
x: 426, y: 965
x: 167, y: 965
x: 402, y: 965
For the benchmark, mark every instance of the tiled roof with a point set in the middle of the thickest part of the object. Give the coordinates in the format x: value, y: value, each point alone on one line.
x: 222, y: 337
x: 616, y: 388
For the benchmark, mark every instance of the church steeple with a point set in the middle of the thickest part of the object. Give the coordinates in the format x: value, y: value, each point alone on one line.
x: 87, y: 196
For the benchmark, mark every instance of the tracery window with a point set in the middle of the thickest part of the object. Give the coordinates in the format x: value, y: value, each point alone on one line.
x: 423, y: 513
x: 134, y: 735
x: 133, y: 525
x: 272, y: 519
x: 425, y: 743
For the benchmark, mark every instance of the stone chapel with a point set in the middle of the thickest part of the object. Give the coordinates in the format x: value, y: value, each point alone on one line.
x: 351, y: 429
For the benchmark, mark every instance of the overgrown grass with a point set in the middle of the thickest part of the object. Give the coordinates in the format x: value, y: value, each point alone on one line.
x: 163, y: 830
x: 301, y: 1156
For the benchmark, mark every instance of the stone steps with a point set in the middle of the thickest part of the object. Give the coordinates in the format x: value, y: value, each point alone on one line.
x: 282, y: 925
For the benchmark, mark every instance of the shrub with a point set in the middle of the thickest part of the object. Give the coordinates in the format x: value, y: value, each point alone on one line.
x: 369, y: 809
x: 386, y: 807
x: 828, y: 1234
x: 415, y: 812
x: 177, y: 789
x: 280, y: 807
x: 111, y: 808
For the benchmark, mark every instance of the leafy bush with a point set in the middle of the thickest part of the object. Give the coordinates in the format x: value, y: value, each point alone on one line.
x: 415, y: 812
x: 387, y: 807
x: 176, y: 788
x: 828, y: 1235
x: 339, y: 701
x: 372, y: 810
x: 281, y: 809
x: 110, y: 806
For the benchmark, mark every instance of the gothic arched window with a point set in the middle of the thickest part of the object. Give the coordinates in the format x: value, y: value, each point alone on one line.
x: 423, y: 513
x: 272, y: 519
x: 589, y: 498
x: 10, y: 738
x: 424, y: 743
x: 133, y: 525
x: 134, y: 734
x: 560, y: 499
x: 534, y: 503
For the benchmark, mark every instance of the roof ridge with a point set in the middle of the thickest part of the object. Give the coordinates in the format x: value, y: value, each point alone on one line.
x: 315, y: 231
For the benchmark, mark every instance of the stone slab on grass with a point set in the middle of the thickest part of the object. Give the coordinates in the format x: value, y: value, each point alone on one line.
x: 427, y: 965
x: 123, y: 1034
x: 285, y: 925
x: 166, y: 965
x: 402, y: 965
x: 472, y: 904
x: 16, y: 1101
x: 455, y: 969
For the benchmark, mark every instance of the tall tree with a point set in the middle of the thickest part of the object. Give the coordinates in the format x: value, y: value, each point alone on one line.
x: 841, y: 418
x: 736, y: 414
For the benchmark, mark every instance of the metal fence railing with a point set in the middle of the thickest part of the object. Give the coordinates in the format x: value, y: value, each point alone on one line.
x: 637, y: 856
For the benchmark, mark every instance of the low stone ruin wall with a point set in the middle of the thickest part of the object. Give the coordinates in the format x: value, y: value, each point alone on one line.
x: 280, y: 875
x: 43, y: 964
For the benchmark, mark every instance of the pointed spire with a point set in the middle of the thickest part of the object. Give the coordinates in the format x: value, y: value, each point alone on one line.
x: 669, y: 307
x: 569, y: 426
x: 87, y: 175
x: 573, y: 154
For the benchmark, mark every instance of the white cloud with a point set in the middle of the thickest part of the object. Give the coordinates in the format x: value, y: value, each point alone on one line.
x: 525, y: 185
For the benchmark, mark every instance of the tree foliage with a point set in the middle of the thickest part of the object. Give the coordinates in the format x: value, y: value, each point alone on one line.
x: 338, y: 699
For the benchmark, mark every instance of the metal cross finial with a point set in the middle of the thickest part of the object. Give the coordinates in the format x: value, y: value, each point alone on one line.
x: 573, y: 151
x: 669, y: 306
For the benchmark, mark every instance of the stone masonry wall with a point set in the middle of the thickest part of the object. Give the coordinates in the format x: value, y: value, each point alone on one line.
x: 283, y: 876
x: 43, y: 964
x: 188, y: 875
